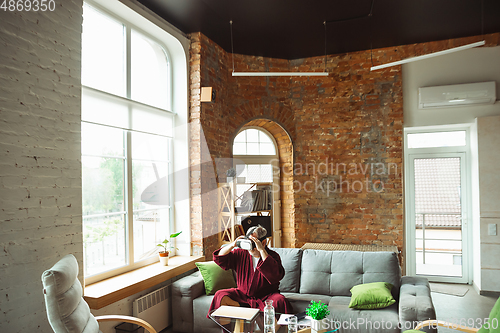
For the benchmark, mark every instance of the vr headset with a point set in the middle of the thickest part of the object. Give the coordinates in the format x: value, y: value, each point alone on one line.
x: 246, y: 243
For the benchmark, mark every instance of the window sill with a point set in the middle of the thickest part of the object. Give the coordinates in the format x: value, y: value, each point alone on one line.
x: 106, y: 292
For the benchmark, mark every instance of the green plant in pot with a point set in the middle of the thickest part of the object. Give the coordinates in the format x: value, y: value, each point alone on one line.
x: 163, y: 254
x: 317, y: 311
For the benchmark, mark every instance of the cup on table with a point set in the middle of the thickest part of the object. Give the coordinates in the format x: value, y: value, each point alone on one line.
x: 292, y: 324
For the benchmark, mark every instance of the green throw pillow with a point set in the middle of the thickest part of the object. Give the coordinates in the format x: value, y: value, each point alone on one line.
x: 214, y: 277
x: 493, y: 324
x: 375, y: 295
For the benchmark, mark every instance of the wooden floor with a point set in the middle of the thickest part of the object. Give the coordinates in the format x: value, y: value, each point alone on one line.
x: 470, y: 307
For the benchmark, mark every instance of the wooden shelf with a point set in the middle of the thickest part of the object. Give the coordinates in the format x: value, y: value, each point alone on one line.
x: 106, y: 292
x: 227, y: 211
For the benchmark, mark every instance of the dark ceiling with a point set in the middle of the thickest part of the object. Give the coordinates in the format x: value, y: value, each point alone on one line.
x: 292, y: 29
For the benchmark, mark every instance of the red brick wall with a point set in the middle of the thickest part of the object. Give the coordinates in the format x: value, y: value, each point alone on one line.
x: 346, y: 124
x: 352, y: 118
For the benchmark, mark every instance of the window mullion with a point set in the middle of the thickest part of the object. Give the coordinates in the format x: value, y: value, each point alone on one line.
x: 130, y: 196
x: 130, y: 199
x: 172, y: 227
x: 129, y: 61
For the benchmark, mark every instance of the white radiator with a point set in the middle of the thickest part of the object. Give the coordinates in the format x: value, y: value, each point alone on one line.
x: 154, y: 308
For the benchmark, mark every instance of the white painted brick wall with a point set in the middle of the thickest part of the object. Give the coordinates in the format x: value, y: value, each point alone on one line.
x: 40, y: 169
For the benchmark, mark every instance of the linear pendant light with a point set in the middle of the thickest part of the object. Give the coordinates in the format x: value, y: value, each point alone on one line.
x: 280, y: 73
x: 427, y: 56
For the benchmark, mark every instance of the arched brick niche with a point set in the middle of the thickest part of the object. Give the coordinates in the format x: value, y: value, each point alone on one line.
x: 285, y: 154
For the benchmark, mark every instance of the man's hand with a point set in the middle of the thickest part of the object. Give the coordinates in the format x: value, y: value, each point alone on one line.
x: 259, y: 247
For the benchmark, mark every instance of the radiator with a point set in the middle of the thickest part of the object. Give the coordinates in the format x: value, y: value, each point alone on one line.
x: 154, y: 308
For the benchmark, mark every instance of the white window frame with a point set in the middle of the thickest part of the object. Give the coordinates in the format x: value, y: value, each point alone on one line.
x: 176, y: 47
x: 409, y: 154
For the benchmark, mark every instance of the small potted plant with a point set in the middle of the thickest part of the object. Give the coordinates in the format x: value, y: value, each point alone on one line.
x: 164, y: 245
x: 317, y: 311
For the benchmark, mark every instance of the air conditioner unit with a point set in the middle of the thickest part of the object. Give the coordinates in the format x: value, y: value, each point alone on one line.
x: 457, y: 95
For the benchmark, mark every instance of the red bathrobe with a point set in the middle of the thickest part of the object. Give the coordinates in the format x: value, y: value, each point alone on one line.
x: 254, y: 287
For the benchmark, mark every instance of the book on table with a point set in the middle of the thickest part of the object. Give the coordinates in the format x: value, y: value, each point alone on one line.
x: 236, y: 312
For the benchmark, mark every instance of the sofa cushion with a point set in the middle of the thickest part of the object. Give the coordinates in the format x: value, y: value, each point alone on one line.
x: 352, y: 320
x: 338, y: 272
x: 382, y: 267
x: 291, y: 260
x: 214, y: 277
x: 375, y: 295
x: 342, y: 270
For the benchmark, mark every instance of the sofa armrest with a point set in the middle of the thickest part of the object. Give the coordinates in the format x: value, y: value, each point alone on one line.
x: 415, y: 302
x: 184, y: 291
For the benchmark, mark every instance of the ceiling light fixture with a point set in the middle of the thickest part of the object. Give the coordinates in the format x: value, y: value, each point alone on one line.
x: 280, y: 74
x: 427, y: 56
x: 325, y: 73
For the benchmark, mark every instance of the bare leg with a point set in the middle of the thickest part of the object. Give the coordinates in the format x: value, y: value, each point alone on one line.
x: 227, y: 301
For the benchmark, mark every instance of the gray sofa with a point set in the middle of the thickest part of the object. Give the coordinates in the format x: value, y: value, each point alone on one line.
x: 327, y: 276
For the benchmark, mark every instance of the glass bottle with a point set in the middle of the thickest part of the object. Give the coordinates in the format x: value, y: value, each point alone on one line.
x: 269, y: 317
x: 292, y: 324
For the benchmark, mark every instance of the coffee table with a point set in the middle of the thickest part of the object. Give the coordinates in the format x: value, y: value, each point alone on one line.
x: 233, y: 325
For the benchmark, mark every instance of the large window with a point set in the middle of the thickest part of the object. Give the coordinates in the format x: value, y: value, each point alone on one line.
x: 127, y: 134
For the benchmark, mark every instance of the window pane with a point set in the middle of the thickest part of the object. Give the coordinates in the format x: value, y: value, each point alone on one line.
x: 107, y: 110
x: 100, y: 109
x: 253, y: 173
x: 102, y: 185
x: 100, y: 140
x: 104, y: 243
x: 150, y: 229
x: 266, y: 173
x: 252, y: 148
x: 150, y: 75
x: 259, y: 173
x: 149, y: 147
x: 253, y: 142
x: 240, y: 137
x: 267, y: 149
x: 151, y: 197
x: 264, y: 138
x: 150, y: 120
x: 103, y: 52
x: 252, y: 135
x: 437, y: 139
x: 239, y: 149
x: 150, y: 184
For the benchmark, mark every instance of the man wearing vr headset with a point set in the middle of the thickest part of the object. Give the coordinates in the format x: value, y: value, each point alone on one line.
x: 258, y: 273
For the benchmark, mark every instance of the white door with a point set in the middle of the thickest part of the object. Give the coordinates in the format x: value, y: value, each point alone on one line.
x: 438, y: 242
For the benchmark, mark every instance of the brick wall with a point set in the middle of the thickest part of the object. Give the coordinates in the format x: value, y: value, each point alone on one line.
x: 346, y: 130
x: 40, y: 170
x: 349, y: 131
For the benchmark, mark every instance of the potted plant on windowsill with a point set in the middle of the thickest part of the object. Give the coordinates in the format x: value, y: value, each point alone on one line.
x: 317, y: 311
x: 164, y: 245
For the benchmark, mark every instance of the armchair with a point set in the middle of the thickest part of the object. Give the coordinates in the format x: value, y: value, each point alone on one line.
x: 67, y: 311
